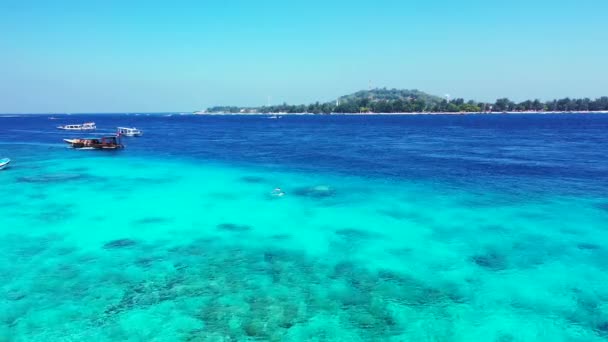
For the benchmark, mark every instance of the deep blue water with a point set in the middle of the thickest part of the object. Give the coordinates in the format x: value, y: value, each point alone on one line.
x: 556, y: 153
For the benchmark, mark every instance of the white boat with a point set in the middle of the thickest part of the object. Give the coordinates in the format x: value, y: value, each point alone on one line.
x: 130, y: 131
x: 87, y: 126
x: 4, y: 163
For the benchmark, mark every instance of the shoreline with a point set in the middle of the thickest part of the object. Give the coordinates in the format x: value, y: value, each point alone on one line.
x: 8, y: 115
x: 415, y: 113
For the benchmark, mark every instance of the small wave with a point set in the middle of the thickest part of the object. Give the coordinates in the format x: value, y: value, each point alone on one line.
x: 21, y: 143
x: 494, y: 160
x: 33, y: 131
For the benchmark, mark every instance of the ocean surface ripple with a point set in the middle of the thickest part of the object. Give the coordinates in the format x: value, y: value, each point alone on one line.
x: 390, y: 228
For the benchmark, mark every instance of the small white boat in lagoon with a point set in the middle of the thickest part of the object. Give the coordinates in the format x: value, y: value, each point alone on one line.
x: 87, y: 126
x: 4, y: 163
x: 130, y: 131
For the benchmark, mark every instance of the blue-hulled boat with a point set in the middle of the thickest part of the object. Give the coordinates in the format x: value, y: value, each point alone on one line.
x: 4, y: 163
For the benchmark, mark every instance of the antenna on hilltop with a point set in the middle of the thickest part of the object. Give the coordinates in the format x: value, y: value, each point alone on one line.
x: 370, y: 85
x: 447, y: 97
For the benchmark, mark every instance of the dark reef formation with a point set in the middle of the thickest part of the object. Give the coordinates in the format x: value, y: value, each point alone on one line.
x: 239, y: 292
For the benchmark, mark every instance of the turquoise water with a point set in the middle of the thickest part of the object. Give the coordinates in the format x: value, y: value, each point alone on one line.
x: 164, y: 246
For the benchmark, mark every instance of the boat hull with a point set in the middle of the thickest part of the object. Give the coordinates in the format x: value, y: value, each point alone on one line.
x: 87, y: 144
x: 89, y: 126
x: 75, y: 129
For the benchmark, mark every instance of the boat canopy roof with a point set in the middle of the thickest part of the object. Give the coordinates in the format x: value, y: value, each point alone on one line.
x: 100, y: 137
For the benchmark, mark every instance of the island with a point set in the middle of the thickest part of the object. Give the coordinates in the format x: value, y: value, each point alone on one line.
x: 404, y: 101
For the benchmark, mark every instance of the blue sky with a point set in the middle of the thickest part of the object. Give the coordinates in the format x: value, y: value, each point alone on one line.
x: 129, y: 56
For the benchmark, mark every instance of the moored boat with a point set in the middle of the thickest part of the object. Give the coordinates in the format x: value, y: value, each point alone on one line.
x: 87, y: 126
x: 103, y: 143
x: 130, y: 131
x: 4, y: 162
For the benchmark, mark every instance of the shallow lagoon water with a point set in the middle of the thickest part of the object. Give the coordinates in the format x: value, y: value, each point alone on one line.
x: 391, y: 228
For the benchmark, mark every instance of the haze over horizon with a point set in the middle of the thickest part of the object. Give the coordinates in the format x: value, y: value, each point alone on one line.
x: 71, y: 56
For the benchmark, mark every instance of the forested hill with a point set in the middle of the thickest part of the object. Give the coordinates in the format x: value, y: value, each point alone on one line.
x: 415, y: 101
x: 390, y: 95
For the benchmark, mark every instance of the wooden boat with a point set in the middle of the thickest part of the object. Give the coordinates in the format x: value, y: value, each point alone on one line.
x: 87, y: 126
x: 4, y: 163
x: 130, y: 132
x: 104, y: 143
